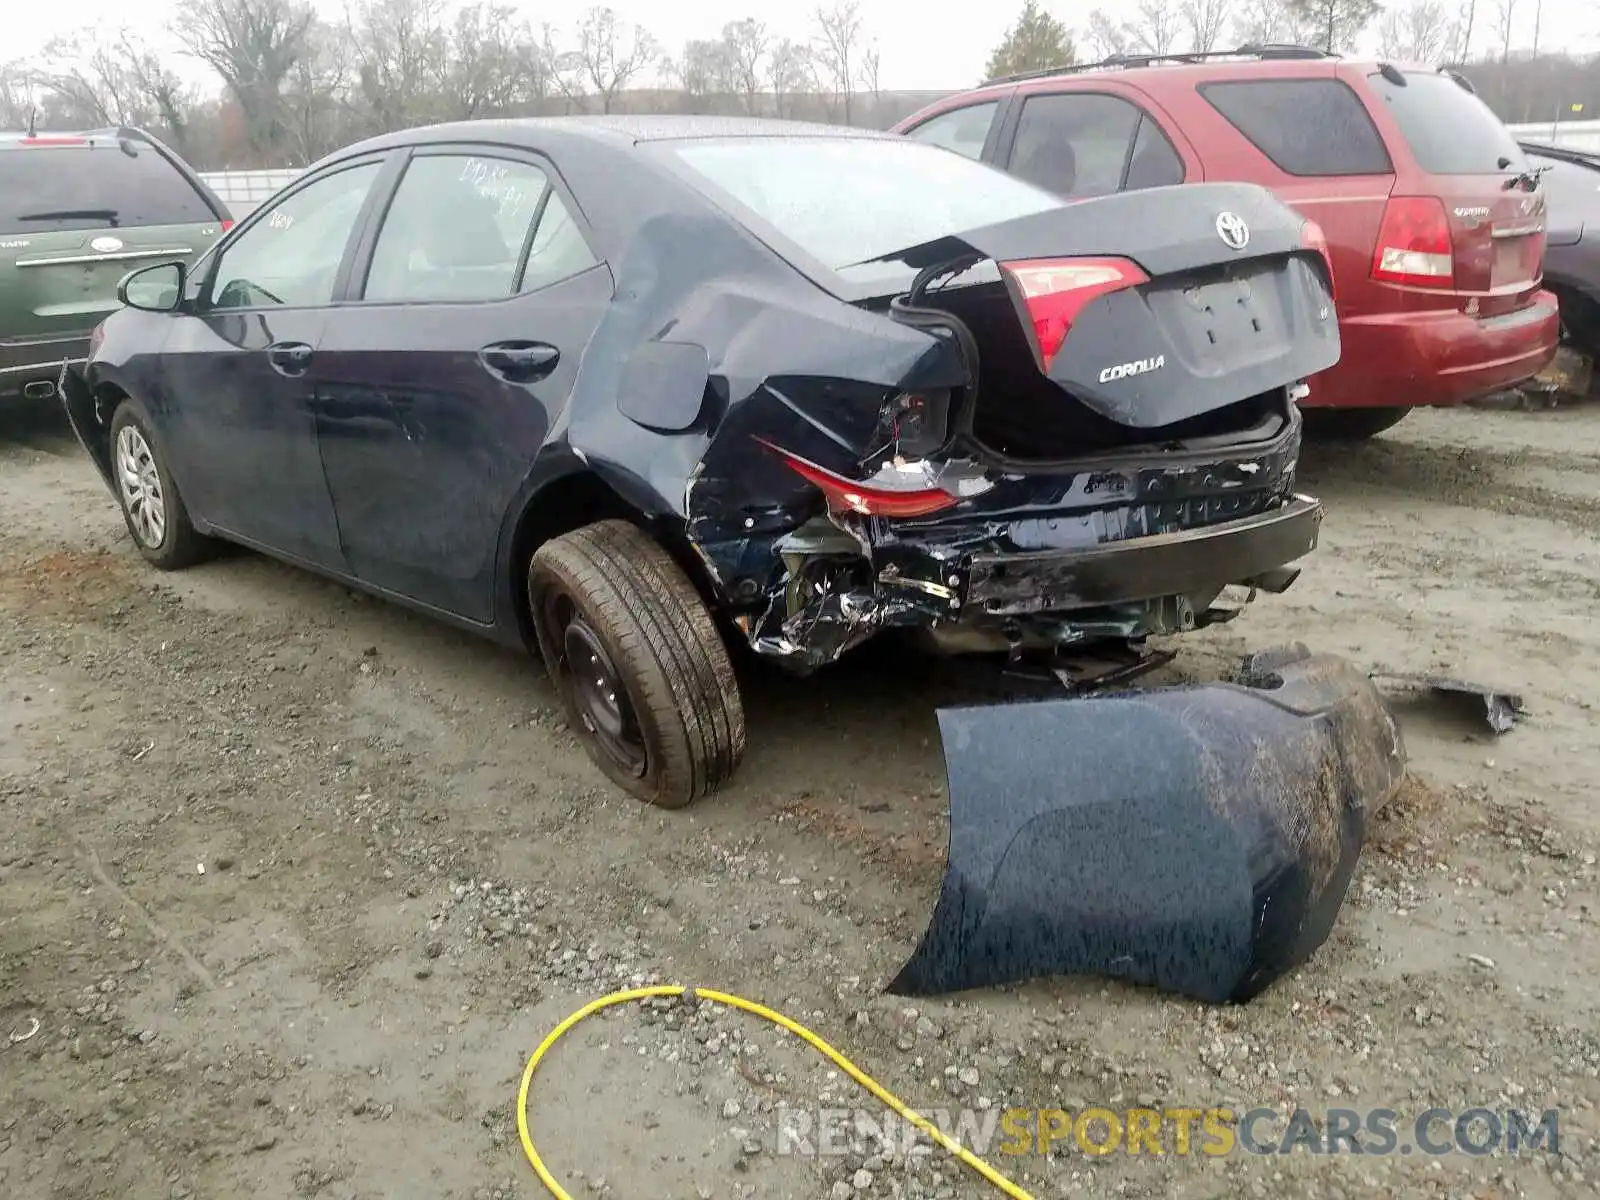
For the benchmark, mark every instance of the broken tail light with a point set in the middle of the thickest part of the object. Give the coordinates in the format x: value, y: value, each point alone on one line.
x: 1312, y: 238
x: 1053, y: 292
x: 1414, y: 245
x: 890, y: 493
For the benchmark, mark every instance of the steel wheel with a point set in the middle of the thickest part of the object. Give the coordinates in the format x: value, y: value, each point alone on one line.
x: 598, y: 693
x: 140, y: 484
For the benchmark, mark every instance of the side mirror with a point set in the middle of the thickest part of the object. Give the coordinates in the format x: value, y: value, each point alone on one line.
x: 153, y: 289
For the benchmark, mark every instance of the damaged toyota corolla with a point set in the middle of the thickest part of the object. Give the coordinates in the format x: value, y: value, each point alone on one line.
x: 628, y: 390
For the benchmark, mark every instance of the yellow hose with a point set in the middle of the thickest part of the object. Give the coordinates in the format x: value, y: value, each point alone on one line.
x: 766, y: 1014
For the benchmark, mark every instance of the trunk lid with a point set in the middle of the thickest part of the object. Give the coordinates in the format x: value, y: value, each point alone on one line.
x: 1467, y: 164
x: 1139, y: 317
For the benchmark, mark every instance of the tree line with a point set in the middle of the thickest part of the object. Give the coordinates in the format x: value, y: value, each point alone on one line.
x: 293, y: 86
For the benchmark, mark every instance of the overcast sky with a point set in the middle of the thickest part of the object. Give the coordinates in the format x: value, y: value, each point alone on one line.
x: 923, y: 43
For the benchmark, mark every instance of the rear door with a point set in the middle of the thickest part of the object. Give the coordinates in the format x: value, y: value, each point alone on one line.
x: 969, y: 130
x: 437, y: 383
x: 1463, y: 155
x: 76, y: 215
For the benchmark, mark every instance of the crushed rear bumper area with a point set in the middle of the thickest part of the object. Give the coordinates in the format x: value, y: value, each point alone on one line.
x: 1181, y: 563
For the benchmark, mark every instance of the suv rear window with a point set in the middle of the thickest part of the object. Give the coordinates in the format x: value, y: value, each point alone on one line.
x: 54, y: 188
x: 1305, y: 126
x: 900, y: 193
x: 1450, y: 131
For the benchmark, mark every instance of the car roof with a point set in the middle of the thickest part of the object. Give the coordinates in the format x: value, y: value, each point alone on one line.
x: 1180, y: 69
x: 617, y: 131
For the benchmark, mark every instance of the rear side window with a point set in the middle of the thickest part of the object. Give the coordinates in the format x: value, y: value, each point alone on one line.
x: 47, y: 189
x: 1450, y: 131
x: 965, y: 130
x: 1305, y: 126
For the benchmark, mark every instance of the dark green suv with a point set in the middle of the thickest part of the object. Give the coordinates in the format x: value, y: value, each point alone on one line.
x: 77, y: 213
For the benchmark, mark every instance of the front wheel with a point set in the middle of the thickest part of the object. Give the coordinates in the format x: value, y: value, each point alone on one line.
x: 1350, y: 424
x: 147, y: 495
x: 637, y: 660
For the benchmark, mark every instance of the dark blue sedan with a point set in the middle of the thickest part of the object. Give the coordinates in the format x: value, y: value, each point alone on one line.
x: 634, y: 392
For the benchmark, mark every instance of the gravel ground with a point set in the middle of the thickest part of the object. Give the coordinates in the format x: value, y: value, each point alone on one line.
x: 293, y: 882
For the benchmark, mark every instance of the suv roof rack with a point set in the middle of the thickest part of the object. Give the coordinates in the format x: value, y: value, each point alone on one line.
x: 1266, y: 51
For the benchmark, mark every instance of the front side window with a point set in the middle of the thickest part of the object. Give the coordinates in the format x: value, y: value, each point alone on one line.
x: 459, y: 227
x: 290, y: 256
x: 965, y: 130
x: 1077, y: 143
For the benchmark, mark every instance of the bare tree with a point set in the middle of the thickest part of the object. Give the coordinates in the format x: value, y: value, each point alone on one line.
x: 1538, y: 20
x: 746, y: 45
x: 1466, y: 18
x: 253, y: 45
x: 1421, y: 31
x: 317, y: 113
x: 612, y: 53
x: 400, y: 50
x: 1204, y: 21
x: 1106, y: 37
x: 493, y: 62
x: 839, y: 50
x: 88, y: 84
x: 1154, y: 28
x: 1262, y: 22
x: 703, y: 72
x: 791, y: 71
x: 1505, y: 25
x: 18, y: 95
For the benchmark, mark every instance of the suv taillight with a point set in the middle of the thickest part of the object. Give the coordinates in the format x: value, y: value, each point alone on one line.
x: 1054, y: 291
x: 1414, y: 244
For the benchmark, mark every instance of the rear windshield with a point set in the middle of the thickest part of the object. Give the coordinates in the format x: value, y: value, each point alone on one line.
x: 53, y: 188
x: 845, y: 201
x: 1450, y: 131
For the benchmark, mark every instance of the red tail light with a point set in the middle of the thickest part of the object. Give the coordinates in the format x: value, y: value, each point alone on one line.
x: 875, y: 498
x: 1414, y: 245
x: 54, y: 141
x: 1055, y: 291
x: 227, y: 225
x: 1312, y: 238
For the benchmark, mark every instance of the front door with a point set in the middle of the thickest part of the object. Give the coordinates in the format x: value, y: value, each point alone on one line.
x: 437, y: 385
x: 240, y: 370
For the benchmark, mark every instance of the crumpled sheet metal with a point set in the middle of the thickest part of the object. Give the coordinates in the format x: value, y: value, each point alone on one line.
x: 1198, y: 839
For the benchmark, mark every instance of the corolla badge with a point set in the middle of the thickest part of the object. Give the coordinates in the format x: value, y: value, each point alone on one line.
x: 105, y: 245
x: 1141, y: 366
x: 1233, y: 231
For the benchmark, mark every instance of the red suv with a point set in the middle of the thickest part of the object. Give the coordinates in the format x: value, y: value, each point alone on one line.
x: 1435, y: 226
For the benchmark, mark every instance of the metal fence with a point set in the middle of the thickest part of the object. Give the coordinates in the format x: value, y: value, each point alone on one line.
x: 1576, y: 135
x: 242, y: 191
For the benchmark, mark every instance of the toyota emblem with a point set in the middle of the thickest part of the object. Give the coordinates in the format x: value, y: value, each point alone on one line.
x: 1232, y: 230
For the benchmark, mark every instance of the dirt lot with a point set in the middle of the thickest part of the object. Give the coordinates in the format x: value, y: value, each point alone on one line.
x: 293, y: 882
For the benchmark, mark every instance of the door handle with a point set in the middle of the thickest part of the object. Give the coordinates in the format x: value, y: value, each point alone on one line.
x: 289, y: 358
x: 519, y: 362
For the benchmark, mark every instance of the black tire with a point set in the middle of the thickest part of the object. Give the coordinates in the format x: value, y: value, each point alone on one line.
x: 178, y: 545
x: 612, y: 599
x: 1350, y: 424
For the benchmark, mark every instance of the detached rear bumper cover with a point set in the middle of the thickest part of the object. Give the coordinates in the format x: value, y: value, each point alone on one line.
x: 1198, y: 839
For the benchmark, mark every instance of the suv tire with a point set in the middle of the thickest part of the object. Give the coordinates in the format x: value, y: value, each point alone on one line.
x: 1350, y: 424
